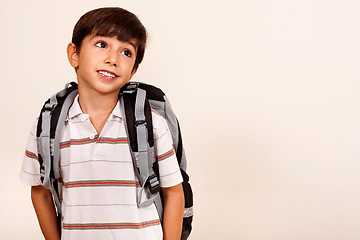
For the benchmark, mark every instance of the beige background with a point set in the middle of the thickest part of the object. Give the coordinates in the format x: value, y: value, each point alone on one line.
x: 266, y: 93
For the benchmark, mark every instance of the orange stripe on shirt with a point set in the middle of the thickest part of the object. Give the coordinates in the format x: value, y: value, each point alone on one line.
x: 110, y: 183
x: 78, y: 142
x: 156, y: 112
x: 88, y: 140
x: 31, y: 155
x: 110, y: 225
x: 166, y: 155
x: 113, y: 140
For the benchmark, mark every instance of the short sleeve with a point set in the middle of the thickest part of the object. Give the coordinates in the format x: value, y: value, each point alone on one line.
x: 30, y: 169
x: 168, y: 166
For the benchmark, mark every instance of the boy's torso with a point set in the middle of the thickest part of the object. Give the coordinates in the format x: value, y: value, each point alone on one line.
x: 99, y: 191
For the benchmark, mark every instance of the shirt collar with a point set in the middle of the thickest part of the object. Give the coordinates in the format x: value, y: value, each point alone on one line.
x: 75, y: 112
x: 117, y: 111
x: 75, y: 109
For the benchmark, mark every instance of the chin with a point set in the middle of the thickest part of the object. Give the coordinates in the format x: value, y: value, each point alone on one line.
x: 107, y: 88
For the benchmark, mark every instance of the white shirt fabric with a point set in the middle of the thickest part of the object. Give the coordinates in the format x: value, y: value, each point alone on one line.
x: 100, y: 189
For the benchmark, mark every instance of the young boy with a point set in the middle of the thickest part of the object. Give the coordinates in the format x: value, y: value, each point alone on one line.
x: 99, y: 191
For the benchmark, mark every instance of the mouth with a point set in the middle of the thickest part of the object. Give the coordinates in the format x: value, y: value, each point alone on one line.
x: 107, y: 74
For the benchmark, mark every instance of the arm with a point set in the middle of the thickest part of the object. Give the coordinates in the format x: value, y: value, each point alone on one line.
x: 45, y: 211
x: 173, y: 212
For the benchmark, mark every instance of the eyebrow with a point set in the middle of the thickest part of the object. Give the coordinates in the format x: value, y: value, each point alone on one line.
x: 133, y: 44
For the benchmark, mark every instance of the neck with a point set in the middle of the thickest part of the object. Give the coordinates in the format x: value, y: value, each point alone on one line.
x: 97, y: 104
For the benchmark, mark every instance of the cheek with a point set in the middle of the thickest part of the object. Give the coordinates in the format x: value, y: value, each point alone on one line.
x: 89, y: 63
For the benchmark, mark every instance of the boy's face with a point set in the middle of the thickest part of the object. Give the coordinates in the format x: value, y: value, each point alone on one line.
x: 103, y: 64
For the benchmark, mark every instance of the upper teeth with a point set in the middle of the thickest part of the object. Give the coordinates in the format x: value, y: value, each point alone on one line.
x: 107, y: 74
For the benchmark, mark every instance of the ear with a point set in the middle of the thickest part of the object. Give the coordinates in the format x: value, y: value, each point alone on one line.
x: 72, y: 55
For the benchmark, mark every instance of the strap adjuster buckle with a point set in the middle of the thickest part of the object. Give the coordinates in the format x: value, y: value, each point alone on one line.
x: 129, y: 88
x: 153, y: 182
x: 140, y: 122
x: 49, y: 107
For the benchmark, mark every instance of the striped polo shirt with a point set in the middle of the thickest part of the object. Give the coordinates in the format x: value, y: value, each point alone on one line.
x: 99, y: 191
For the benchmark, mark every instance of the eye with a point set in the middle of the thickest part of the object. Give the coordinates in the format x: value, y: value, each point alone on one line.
x: 127, y: 53
x: 101, y: 44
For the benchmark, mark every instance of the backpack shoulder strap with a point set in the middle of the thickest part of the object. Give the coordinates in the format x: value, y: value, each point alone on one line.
x: 160, y: 103
x: 141, y: 140
x: 50, y: 124
x: 51, y: 121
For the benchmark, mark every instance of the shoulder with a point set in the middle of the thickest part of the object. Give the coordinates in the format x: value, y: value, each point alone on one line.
x: 34, y: 128
x: 160, y: 126
x: 156, y: 114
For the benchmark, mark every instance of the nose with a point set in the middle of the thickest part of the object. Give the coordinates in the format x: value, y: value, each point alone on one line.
x: 111, y: 59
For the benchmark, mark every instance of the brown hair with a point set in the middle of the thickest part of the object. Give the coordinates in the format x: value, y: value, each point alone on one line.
x: 111, y: 22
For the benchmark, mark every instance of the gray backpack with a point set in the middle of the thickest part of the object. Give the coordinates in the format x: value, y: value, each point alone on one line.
x: 138, y: 100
